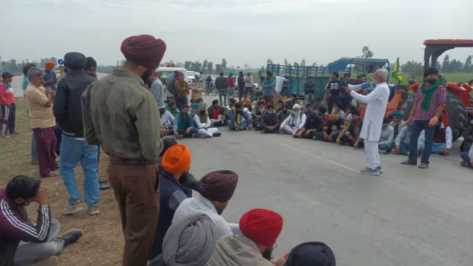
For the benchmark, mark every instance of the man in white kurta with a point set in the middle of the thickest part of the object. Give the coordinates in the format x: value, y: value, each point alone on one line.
x: 376, y: 102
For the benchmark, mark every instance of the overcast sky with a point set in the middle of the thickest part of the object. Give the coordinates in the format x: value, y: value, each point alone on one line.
x: 242, y: 31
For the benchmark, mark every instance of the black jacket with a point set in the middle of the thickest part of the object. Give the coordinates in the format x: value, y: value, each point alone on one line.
x: 67, y: 104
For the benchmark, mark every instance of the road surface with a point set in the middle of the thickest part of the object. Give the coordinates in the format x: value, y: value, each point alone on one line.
x: 408, y: 216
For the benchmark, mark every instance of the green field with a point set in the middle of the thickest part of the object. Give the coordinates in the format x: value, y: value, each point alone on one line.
x: 458, y: 77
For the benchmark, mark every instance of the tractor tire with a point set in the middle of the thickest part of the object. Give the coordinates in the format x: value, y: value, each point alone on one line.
x: 457, y: 116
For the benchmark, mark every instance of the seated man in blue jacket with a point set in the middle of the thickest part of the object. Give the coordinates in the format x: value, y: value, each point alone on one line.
x: 174, y: 167
x: 185, y: 127
x: 238, y: 119
x: 22, y: 242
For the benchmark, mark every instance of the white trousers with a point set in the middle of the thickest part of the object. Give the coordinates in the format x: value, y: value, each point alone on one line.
x: 286, y: 129
x: 372, y: 154
x: 207, y: 132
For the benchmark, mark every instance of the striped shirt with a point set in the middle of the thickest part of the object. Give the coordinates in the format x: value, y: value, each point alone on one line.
x: 15, y: 227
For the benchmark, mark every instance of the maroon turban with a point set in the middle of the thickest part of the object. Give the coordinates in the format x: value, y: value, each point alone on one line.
x: 218, y: 185
x: 262, y: 226
x: 144, y: 50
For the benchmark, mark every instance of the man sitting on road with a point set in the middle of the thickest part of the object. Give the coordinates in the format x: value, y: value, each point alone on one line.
x: 238, y: 119
x: 260, y: 229
x: 215, y: 191
x: 216, y: 114
x: 168, y: 122
x: 175, y: 164
x: 294, y: 122
x: 185, y: 124
x: 22, y: 242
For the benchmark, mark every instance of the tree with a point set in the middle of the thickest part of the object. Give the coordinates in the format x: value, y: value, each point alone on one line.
x: 446, y: 63
x: 269, y: 61
x: 204, y: 66
x: 366, y: 52
x: 413, y: 69
x: 286, y: 62
x: 303, y: 62
x: 468, y: 64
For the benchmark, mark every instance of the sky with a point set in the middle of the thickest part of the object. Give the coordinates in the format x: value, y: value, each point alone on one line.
x: 245, y: 32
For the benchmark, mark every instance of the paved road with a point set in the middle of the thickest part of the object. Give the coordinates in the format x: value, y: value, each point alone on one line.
x: 406, y: 217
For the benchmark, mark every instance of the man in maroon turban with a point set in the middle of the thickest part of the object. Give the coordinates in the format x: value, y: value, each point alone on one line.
x: 121, y: 114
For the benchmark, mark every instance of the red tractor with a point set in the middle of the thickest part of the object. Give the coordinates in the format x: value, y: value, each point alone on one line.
x: 460, y: 100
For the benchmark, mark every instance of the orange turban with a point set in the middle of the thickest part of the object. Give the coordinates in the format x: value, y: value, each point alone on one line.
x: 177, y: 159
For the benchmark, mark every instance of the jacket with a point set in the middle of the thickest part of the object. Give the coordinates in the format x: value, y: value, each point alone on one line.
x: 171, y: 194
x: 237, y: 250
x: 67, y: 104
x: 15, y: 227
x: 122, y: 115
x: 220, y: 83
x: 198, y: 205
x: 376, y: 102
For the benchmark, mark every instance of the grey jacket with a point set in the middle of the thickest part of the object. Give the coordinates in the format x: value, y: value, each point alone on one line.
x: 237, y: 250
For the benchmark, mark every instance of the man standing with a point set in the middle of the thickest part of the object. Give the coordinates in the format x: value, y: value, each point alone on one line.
x: 50, y: 79
x: 74, y: 148
x: 429, y: 104
x: 221, y: 86
x: 8, y: 106
x: 91, y: 67
x: 269, y: 88
x: 376, y: 102
x: 123, y: 117
x: 158, y: 90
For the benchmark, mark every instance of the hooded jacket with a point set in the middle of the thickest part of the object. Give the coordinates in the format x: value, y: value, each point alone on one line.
x: 67, y: 104
x: 237, y: 250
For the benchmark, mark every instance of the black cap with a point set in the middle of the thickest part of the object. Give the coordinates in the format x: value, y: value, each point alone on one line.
x: 74, y: 60
x: 431, y: 71
x: 6, y: 75
x: 90, y: 63
x: 311, y: 253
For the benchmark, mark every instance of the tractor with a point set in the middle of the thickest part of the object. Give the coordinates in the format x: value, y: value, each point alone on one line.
x: 460, y: 100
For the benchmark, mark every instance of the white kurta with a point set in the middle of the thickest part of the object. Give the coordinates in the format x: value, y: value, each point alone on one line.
x: 376, y: 101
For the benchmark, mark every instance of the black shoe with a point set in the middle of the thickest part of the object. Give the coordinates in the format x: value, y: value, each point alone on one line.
x: 217, y: 134
x: 71, y: 237
x: 424, y: 165
x: 408, y: 162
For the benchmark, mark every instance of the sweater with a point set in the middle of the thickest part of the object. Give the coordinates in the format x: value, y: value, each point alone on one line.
x: 41, y: 113
x: 15, y: 227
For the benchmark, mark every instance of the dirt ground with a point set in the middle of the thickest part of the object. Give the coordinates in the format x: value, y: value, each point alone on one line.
x: 102, y: 241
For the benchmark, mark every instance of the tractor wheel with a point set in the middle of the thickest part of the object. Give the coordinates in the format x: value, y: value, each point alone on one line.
x: 457, y: 116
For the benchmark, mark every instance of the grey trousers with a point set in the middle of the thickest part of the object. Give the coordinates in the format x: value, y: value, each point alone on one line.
x: 29, y: 253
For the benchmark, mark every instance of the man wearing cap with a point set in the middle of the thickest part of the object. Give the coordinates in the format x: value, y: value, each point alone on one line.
x: 260, y: 228
x: 121, y: 115
x: 376, y: 101
x: 91, y: 67
x: 429, y: 104
x: 294, y: 122
x: 7, y: 105
x: 175, y: 164
x: 215, y: 191
x: 74, y: 148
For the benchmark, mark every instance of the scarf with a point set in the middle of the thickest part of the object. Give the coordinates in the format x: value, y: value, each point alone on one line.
x: 428, y: 93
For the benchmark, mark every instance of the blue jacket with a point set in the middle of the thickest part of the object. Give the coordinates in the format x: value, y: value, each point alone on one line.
x: 171, y: 194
